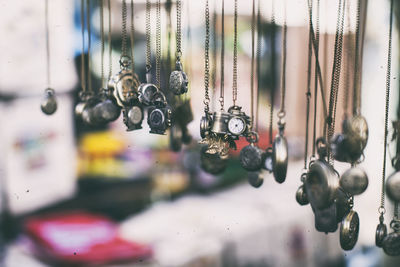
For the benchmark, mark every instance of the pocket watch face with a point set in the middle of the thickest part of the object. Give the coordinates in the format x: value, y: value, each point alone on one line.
x: 391, y: 244
x: 321, y: 184
x: 393, y: 186
x: 147, y: 92
x: 301, y: 196
x: 380, y: 234
x: 156, y: 118
x: 135, y: 115
x: 354, y: 181
x: 251, y: 158
x: 236, y: 125
x: 255, y: 179
x: 127, y: 88
x: 280, y: 158
x: 349, y: 229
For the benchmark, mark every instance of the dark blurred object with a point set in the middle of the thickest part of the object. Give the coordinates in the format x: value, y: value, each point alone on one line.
x: 79, y: 238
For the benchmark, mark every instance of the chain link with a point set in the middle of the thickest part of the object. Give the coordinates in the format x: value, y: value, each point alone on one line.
x: 124, y: 51
x: 148, y: 36
x: 335, y: 74
x: 388, y: 77
x: 253, y: 25
x: 207, y: 59
x: 178, y: 29
x: 132, y: 37
x: 83, y: 67
x: 357, y: 72
x: 46, y: 25
x: 258, y: 61
x: 222, y: 78
x: 234, y: 84
x: 109, y: 41
x: 273, y: 73
x: 316, y: 81
x: 281, y: 113
x: 89, y: 74
x: 158, y: 44
x: 102, y: 43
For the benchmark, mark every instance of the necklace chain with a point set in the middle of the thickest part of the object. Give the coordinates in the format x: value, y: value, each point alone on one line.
x: 281, y: 113
x: 388, y: 76
x: 109, y: 41
x: 46, y: 13
x: 124, y: 51
x: 222, y: 78
x: 132, y: 37
x: 357, y: 72
x: 158, y: 44
x: 83, y: 75
x: 316, y: 80
x: 207, y: 59
x: 258, y: 61
x: 253, y: 25
x: 148, y: 36
x: 273, y: 74
x: 178, y: 30
x: 89, y: 77
x: 102, y: 43
x: 234, y: 84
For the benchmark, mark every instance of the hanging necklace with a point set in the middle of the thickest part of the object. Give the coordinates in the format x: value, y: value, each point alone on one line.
x: 178, y: 80
x: 279, y: 146
x: 49, y: 103
x: 251, y: 156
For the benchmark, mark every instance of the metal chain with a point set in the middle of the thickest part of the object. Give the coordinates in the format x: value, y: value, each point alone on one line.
x: 281, y: 113
x: 46, y: 25
x: 388, y: 77
x: 89, y: 74
x: 158, y: 44
x: 234, y: 84
x: 83, y: 67
x: 273, y: 73
x: 148, y: 36
x: 347, y: 63
x: 132, y: 37
x: 222, y: 78
x: 253, y: 25
x: 357, y: 72
x: 124, y: 51
x: 109, y: 41
x: 316, y: 81
x: 103, y: 82
x: 258, y: 61
x: 178, y: 29
x: 207, y: 59
x: 308, y: 92
x: 214, y: 53
x: 335, y: 73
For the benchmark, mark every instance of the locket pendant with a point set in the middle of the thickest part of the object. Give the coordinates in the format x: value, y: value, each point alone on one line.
x: 380, y: 234
x: 349, y: 229
x: 49, y: 102
x: 280, y: 158
x: 354, y: 181
x: 255, y: 178
x: 178, y: 80
x: 393, y: 187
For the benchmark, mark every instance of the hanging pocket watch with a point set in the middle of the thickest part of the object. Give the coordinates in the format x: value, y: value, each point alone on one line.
x: 133, y: 117
x: 325, y: 219
x: 256, y: 178
x: 391, y: 242
x: 301, y: 196
x: 178, y: 81
x: 212, y: 163
x: 49, y: 102
x: 251, y: 157
x: 107, y: 110
x: 354, y: 181
x: 205, y: 125
x: 349, y: 229
x: 280, y: 158
x: 381, y: 232
x: 125, y: 87
x: 321, y: 184
x: 393, y: 187
x: 147, y: 92
x: 238, y: 122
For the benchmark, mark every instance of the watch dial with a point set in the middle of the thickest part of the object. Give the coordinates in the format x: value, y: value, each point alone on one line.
x: 135, y: 115
x: 156, y: 117
x: 236, y: 126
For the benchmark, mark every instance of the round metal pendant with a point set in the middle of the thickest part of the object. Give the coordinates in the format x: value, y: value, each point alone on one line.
x: 49, y: 102
x: 321, y: 184
x: 356, y: 128
x: 301, y: 196
x: 380, y: 234
x: 212, y: 163
x: 354, y: 181
x: 349, y: 229
x: 391, y: 244
x: 178, y: 82
x: 175, y: 138
x: 156, y: 118
x: 146, y: 93
x: 251, y: 158
x: 325, y: 219
x: 280, y: 158
x: 135, y: 115
x: 339, y: 148
x: 107, y: 110
x: 256, y: 179
x: 126, y: 87
x: 393, y: 187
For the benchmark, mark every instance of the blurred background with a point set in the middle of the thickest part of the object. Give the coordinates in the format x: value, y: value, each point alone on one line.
x: 73, y: 195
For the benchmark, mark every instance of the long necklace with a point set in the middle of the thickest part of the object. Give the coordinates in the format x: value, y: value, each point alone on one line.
x: 49, y: 103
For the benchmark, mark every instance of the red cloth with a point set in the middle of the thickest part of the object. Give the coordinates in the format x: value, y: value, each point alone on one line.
x: 80, y: 238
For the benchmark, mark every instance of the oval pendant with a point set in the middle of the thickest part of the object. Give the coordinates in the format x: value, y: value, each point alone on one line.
x: 391, y: 244
x: 393, y: 187
x: 380, y: 234
x: 280, y: 158
x: 301, y: 196
x: 349, y: 230
x: 256, y: 179
x: 354, y: 181
x: 251, y: 158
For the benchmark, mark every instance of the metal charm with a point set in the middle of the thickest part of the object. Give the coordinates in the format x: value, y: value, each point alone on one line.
x: 125, y: 87
x: 391, y: 244
x: 205, y: 125
x: 325, y: 219
x: 133, y: 117
x: 280, y: 158
x: 380, y: 234
x: 251, y: 157
x: 147, y: 92
x: 107, y: 110
x: 356, y: 128
x: 238, y: 123
x: 220, y: 122
x: 49, y: 102
x: 301, y: 196
x: 349, y: 229
x: 159, y: 119
x: 393, y: 187
x: 256, y: 179
x: 178, y: 80
x: 354, y: 181
x: 321, y: 184
x: 212, y: 163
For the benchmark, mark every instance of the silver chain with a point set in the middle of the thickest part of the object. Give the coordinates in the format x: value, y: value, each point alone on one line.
x: 234, y: 84
x: 109, y: 41
x: 158, y: 44
x: 207, y: 59
x: 178, y: 29
x: 89, y: 76
x: 124, y: 51
x: 222, y: 78
x: 148, y: 36
x: 102, y: 43
x: 253, y: 25
x: 281, y: 113
x: 132, y: 38
x: 46, y: 24
x: 83, y: 67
